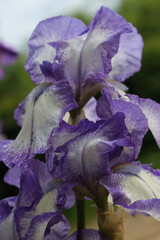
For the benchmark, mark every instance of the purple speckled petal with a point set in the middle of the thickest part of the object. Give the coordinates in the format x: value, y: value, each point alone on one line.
x: 49, y: 30
x: 135, y: 187
x: 87, y: 58
x: 135, y: 120
x: 40, y: 112
x: 151, y: 110
x: 87, y: 234
x: 127, y: 61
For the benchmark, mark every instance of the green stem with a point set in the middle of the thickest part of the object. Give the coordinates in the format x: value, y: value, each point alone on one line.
x: 80, y: 213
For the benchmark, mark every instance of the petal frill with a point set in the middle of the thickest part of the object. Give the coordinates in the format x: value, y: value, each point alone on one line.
x: 49, y: 212
x: 87, y: 58
x: 151, y: 110
x: 127, y: 61
x: 136, y: 122
x: 49, y: 30
x: 88, y: 147
x: 135, y: 187
x: 13, y: 175
x: 40, y: 112
x: 58, y: 231
x: 59, y: 137
x: 87, y: 234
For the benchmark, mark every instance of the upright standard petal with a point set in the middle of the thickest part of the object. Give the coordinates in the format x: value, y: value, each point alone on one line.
x: 87, y: 58
x: 135, y: 187
x: 127, y: 61
x: 49, y: 30
x: 40, y: 112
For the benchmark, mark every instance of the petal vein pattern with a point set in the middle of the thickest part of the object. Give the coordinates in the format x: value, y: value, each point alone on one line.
x: 49, y: 30
x: 43, y: 109
x: 135, y: 187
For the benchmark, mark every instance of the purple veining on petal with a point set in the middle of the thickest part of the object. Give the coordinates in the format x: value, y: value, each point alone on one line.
x: 49, y: 30
x: 40, y: 112
x: 135, y: 187
x: 57, y: 231
x: 6, y: 206
x: 88, y: 57
x: 83, y: 152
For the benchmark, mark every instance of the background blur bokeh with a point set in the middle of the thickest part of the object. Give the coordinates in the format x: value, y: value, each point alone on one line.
x: 145, y: 15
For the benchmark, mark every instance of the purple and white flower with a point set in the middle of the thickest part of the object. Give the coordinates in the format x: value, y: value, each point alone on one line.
x: 38, y: 114
x: 63, y: 47
x: 7, y: 57
x: 36, y: 213
x: 95, y: 153
x: 71, y: 61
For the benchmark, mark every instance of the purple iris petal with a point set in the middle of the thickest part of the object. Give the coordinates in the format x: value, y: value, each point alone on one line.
x: 87, y: 234
x: 38, y: 114
x: 151, y: 110
x: 87, y: 58
x: 57, y: 231
x: 38, y: 206
x: 40, y: 170
x: 135, y: 187
x: 90, y: 110
x: 63, y: 47
x: 135, y: 120
x: 49, y: 30
x: 6, y: 207
x: 85, y: 148
x: 127, y: 61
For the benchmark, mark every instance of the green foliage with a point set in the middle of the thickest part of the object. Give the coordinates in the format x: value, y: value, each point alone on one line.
x: 144, y: 15
x: 13, y: 89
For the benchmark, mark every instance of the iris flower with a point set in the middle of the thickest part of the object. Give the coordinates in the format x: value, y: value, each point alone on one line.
x: 7, y: 57
x: 70, y: 61
x: 140, y: 114
x: 95, y: 155
x: 36, y: 213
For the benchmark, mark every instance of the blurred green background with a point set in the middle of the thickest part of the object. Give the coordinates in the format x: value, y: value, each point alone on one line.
x: 145, y: 15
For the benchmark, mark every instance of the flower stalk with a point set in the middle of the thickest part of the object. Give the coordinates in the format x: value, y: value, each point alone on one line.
x: 110, y: 223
